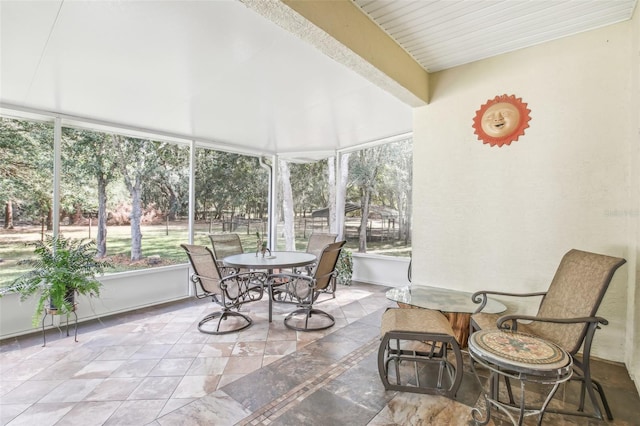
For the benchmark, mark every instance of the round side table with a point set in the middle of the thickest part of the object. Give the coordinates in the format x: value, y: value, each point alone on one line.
x: 522, y: 357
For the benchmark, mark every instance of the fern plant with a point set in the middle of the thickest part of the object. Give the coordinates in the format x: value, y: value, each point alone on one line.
x: 62, y: 267
x: 344, y: 267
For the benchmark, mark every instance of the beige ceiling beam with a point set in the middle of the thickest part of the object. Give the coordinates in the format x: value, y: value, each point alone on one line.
x: 342, y: 31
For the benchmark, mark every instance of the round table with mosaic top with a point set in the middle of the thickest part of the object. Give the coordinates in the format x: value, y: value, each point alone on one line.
x: 519, y: 356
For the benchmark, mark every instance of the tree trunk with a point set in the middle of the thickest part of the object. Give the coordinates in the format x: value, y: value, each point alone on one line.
x: 333, y: 223
x: 408, y: 214
x: 136, y: 215
x: 49, y: 219
x: 362, y: 243
x: 8, y: 215
x: 407, y: 220
x: 287, y: 207
x: 101, y: 236
x: 173, y: 204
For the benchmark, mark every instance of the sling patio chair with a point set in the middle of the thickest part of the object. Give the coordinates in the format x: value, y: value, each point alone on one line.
x: 303, y: 290
x: 566, y: 317
x: 317, y: 242
x: 230, y: 292
x: 226, y: 245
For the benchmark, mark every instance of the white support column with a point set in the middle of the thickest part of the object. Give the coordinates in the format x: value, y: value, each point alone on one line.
x: 273, y: 200
x: 340, y: 197
x: 192, y: 189
x: 57, y: 170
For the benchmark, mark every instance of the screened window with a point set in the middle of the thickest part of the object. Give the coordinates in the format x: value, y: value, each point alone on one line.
x: 26, y: 185
x: 231, y: 192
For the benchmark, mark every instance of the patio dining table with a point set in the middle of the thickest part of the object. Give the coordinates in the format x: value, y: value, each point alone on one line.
x: 274, y: 260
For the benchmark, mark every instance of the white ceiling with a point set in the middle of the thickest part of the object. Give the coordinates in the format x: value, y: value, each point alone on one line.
x: 447, y: 33
x: 218, y: 72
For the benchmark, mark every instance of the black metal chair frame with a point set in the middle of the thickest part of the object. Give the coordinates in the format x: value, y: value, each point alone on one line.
x: 230, y: 292
x: 303, y: 290
x: 437, y: 353
x: 582, y: 368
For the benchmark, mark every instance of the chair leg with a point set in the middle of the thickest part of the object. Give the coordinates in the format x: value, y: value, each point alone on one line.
x: 223, y: 316
x: 439, y: 358
x: 591, y: 386
x: 588, y: 383
x: 308, y: 312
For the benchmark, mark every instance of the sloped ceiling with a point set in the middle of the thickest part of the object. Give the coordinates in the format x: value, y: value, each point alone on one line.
x: 222, y: 74
x: 214, y: 71
x: 444, y: 34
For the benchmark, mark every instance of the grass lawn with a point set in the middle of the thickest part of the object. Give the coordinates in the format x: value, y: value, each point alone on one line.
x: 160, y: 245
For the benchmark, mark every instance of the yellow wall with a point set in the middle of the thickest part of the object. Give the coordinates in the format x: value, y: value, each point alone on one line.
x: 501, y: 218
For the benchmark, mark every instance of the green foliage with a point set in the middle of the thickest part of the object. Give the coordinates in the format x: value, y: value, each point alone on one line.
x: 61, y: 266
x: 26, y: 166
x: 229, y: 183
x: 310, y: 185
x: 344, y: 267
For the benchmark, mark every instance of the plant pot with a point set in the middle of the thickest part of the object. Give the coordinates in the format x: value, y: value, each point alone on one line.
x: 69, y: 297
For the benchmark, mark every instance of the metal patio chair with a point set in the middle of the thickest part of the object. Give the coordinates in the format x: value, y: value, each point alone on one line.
x: 230, y: 292
x: 303, y: 290
x: 317, y: 242
x: 566, y: 316
x: 226, y: 245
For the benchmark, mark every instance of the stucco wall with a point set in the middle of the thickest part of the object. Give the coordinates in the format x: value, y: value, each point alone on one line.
x: 501, y: 218
x: 633, y: 302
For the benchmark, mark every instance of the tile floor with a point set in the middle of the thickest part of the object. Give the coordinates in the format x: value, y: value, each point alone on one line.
x: 153, y: 367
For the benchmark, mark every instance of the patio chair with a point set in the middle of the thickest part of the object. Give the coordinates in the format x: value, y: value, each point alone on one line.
x: 226, y: 245
x: 566, y: 316
x: 230, y: 292
x: 317, y: 242
x: 303, y: 290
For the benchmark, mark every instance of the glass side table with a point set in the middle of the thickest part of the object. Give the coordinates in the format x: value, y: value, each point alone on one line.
x: 456, y: 305
x: 521, y: 357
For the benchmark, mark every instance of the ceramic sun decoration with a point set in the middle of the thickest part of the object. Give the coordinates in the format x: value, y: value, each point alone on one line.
x: 501, y: 120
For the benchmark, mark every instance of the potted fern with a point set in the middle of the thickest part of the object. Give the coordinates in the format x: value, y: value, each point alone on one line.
x: 344, y: 267
x: 62, y: 267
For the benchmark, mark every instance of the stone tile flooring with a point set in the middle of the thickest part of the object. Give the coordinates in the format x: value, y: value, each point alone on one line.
x: 153, y: 367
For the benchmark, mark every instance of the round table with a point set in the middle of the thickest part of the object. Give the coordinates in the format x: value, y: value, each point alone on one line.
x: 522, y: 357
x: 274, y: 260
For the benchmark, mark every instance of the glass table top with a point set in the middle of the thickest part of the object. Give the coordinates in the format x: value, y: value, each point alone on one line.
x: 442, y: 299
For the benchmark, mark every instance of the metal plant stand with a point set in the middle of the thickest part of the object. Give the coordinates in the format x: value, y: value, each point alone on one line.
x: 52, y: 313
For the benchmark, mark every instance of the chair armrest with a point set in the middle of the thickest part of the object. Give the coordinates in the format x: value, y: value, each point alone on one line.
x: 481, y: 296
x: 500, y: 323
x: 260, y: 276
x: 194, y: 280
x: 244, y: 280
x: 249, y: 286
x: 297, y: 286
x: 291, y: 276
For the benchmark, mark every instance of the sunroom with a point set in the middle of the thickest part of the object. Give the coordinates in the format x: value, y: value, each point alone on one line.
x: 304, y: 82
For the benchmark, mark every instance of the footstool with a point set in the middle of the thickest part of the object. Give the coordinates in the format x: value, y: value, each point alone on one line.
x: 422, y: 339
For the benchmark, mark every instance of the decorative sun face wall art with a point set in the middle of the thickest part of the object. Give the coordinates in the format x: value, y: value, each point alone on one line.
x: 501, y: 120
